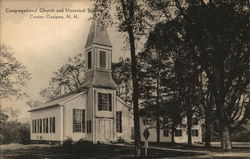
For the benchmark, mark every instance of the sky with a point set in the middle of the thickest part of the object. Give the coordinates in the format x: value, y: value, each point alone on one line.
x: 44, y: 44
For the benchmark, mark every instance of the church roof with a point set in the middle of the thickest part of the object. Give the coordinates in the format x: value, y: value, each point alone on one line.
x: 58, y: 101
x: 98, y: 35
x: 98, y: 78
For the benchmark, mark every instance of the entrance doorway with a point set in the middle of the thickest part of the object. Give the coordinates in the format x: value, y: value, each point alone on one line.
x: 105, y: 130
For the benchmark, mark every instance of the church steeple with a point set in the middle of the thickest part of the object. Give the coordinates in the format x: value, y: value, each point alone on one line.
x: 98, y: 35
x: 98, y: 57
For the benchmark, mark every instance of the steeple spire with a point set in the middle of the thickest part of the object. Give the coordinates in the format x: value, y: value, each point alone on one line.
x: 98, y: 56
x: 98, y: 35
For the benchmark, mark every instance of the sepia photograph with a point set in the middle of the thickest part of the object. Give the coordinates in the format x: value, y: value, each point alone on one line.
x: 127, y: 79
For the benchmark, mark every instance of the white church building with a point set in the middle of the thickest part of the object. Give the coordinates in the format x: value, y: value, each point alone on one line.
x: 94, y: 112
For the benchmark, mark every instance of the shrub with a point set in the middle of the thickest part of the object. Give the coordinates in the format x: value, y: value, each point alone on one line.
x: 83, y: 142
x: 1, y: 139
x: 24, y: 134
x: 14, y: 132
x: 83, y: 147
x: 243, y: 136
x: 68, y: 142
x: 120, y: 140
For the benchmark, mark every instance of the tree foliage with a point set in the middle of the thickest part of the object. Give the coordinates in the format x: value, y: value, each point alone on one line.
x: 152, y: 72
x: 122, y: 76
x: 14, y: 132
x: 13, y: 74
x: 218, y: 35
x: 210, y: 38
x: 67, y: 78
x: 181, y: 72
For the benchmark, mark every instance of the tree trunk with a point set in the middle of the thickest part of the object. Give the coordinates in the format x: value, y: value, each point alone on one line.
x: 172, y: 135
x: 158, y: 128
x: 135, y: 94
x: 226, y: 143
x: 208, y: 132
x: 189, y: 128
x: 222, y: 115
x: 208, y: 108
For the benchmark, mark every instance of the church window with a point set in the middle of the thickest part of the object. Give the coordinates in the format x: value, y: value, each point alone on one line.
x: 37, y: 125
x: 178, y: 132
x: 89, y: 60
x: 102, y: 59
x: 89, y: 126
x: 104, y: 101
x: 52, y: 125
x: 38, y: 130
x: 41, y: 122
x: 119, y: 121
x: 44, y: 125
x: 33, y: 125
x: 47, y: 125
x: 78, y: 120
x: 195, y: 132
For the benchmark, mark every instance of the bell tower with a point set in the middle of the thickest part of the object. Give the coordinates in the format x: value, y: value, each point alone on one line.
x: 100, y: 86
x: 98, y: 58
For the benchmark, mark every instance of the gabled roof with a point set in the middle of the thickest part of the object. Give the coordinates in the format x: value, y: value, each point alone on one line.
x: 98, y: 35
x: 67, y: 97
x: 58, y: 101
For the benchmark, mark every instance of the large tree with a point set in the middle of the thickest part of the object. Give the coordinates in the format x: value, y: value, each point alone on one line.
x: 67, y: 78
x: 132, y: 18
x: 122, y: 75
x: 13, y: 77
x: 154, y: 69
x: 217, y: 33
x: 179, y: 72
x: 13, y: 74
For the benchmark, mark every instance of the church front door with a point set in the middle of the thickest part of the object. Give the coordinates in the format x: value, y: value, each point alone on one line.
x: 105, y: 130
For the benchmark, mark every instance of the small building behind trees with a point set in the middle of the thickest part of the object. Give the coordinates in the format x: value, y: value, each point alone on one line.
x: 180, y: 135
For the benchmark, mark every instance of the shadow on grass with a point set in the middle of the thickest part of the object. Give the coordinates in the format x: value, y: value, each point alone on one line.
x: 198, y: 147
x: 80, y: 152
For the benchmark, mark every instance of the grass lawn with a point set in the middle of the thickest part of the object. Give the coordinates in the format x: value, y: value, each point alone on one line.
x: 36, y: 151
x: 238, y: 147
x: 39, y: 151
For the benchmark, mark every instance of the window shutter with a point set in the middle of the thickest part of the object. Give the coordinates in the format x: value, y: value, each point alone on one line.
x: 110, y: 102
x: 120, y: 122
x: 73, y: 120
x: 99, y: 101
x: 47, y: 125
x: 54, y: 125
x: 83, y: 120
x: 89, y: 60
